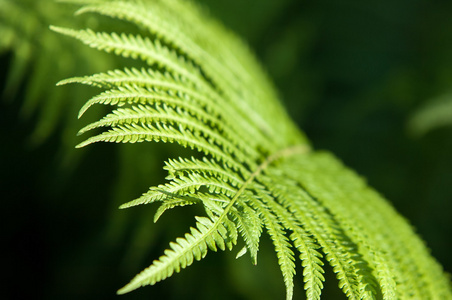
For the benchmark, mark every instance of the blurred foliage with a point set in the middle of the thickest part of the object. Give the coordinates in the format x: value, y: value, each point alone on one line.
x: 353, y: 74
x: 437, y: 113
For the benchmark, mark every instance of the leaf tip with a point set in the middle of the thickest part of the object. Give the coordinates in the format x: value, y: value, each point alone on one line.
x: 124, y: 290
x: 61, y: 30
x: 241, y: 253
x: 83, y: 144
x: 123, y: 206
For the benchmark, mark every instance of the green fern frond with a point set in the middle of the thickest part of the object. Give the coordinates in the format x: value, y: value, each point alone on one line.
x: 134, y: 46
x: 200, y: 88
x: 249, y: 225
x: 207, y: 234
x: 281, y: 243
x: 207, y: 167
x: 311, y: 262
x: 171, y: 202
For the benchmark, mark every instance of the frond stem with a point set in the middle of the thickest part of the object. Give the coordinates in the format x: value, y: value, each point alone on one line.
x: 293, y: 150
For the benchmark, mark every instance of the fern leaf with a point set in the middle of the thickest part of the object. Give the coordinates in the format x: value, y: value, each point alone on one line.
x: 250, y: 227
x: 131, y: 46
x: 149, y: 87
x: 180, y: 186
x: 207, y: 234
x: 306, y: 246
x: 201, y: 89
x: 158, y: 19
x: 207, y: 167
x: 282, y: 246
x: 173, y: 201
x: 132, y: 133
x: 312, y: 265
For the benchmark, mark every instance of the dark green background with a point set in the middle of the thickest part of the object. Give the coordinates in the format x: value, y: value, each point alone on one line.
x: 351, y: 73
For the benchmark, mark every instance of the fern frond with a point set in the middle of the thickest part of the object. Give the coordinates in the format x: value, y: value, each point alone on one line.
x: 307, y: 246
x: 174, y: 201
x: 224, y: 67
x: 282, y: 246
x: 201, y: 89
x: 143, y: 78
x: 133, y: 133
x: 152, y: 87
x: 208, y: 167
x: 176, y: 117
x: 186, y: 184
x: 207, y: 234
x: 323, y: 227
x: 214, y: 203
x: 312, y: 265
x: 250, y: 227
x: 134, y: 46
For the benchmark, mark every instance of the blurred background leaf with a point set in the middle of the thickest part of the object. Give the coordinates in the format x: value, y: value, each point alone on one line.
x: 436, y: 114
x: 355, y: 76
